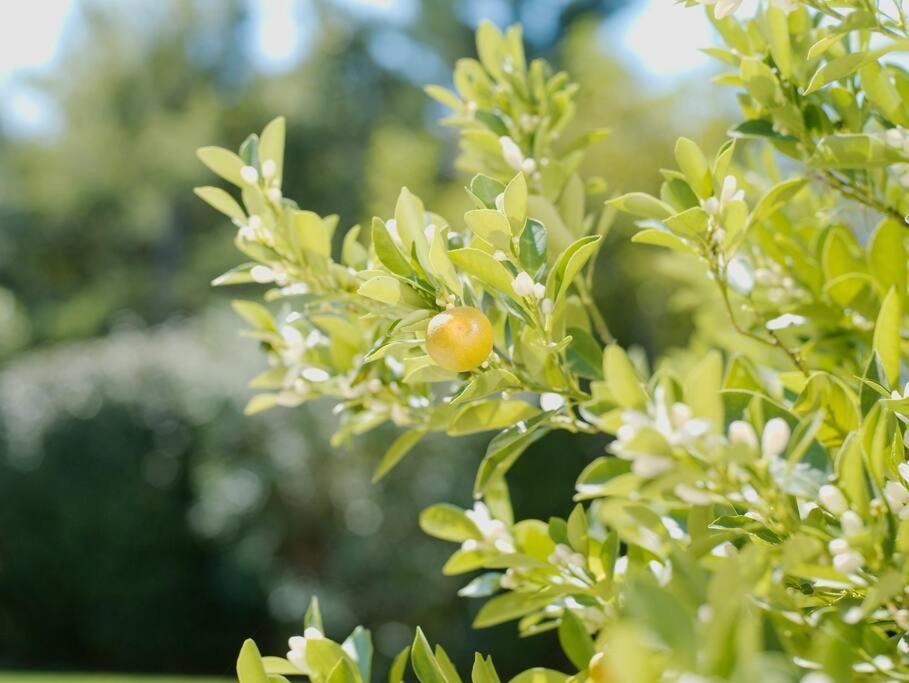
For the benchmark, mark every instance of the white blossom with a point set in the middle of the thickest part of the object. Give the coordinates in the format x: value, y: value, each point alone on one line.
x: 262, y: 274
x: 511, y: 152
x: 848, y: 563
x: 832, y: 499
x: 740, y: 276
x: 523, y: 284
x: 249, y: 175
x: 851, y: 523
x: 268, y: 169
x: 775, y: 437
x: 786, y: 320
x: 297, y: 644
x: 551, y: 401
x: 741, y: 433
x: 274, y: 194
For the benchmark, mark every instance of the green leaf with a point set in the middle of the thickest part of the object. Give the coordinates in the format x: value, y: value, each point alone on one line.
x: 388, y: 290
x: 689, y: 223
x: 540, y: 675
x: 702, y: 389
x: 399, y: 666
x: 484, y: 416
x: 323, y: 655
x: 575, y: 641
x: 387, y: 251
x: 485, y: 384
x: 643, y: 205
x: 778, y: 27
x: 221, y: 201
x: 509, y: 606
x: 482, y: 586
x: 775, y: 198
x: 887, y: 337
x: 852, y: 151
x: 533, y: 246
x: 343, y: 672
x: 448, y: 522
x: 250, y: 668
x: 255, y: 314
x: 448, y: 668
x: 399, y: 448
x: 569, y: 265
x: 486, y: 189
x: 313, y: 617
x: 505, y: 449
x: 271, y: 145
x: 693, y: 164
x: 659, y: 237
x: 887, y: 256
x: 441, y: 264
x: 359, y: 642
x: 491, y: 225
x: 410, y: 219
x: 223, y: 162
x: 584, y: 354
x: 483, y: 671
x: 622, y: 378
x: 279, y: 665
x: 484, y: 268
x: 424, y: 662
x: 516, y: 203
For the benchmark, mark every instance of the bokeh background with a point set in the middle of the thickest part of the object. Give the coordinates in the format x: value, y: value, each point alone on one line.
x: 146, y: 526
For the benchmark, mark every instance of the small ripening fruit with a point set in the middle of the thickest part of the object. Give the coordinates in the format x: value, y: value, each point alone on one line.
x: 598, y: 669
x: 459, y: 339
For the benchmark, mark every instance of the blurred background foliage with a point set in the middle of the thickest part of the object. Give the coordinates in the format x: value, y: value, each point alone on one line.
x: 145, y: 524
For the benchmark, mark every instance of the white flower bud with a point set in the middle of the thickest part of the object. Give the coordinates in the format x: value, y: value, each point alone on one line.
x: 896, y: 495
x: 274, y: 194
x: 851, y: 523
x: 741, y: 433
x: 523, y: 284
x: 775, y: 437
x: 894, y: 137
x: 902, y: 619
x: 511, y: 152
x: 249, y: 174
x: 268, y: 169
x: 254, y: 223
x: 528, y: 166
x: 262, y: 274
x: 551, y: 401
x: 649, y: 466
x: 848, y: 563
x: 711, y: 205
x: 546, y: 307
x: 832, y: 499
x: 499, y: 255
x: 838, y: 546
x: 539, y: 290
x: 739, y: 276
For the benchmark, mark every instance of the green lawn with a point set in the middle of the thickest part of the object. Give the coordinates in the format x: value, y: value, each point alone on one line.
x: 100, y: 678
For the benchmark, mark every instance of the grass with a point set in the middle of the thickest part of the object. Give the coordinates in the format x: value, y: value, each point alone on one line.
x: 100, y: 678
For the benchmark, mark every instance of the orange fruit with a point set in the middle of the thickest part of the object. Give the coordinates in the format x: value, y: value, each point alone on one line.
x: 459, y: 339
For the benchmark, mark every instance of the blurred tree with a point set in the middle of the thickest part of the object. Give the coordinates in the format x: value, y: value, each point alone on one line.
x: 98, y: 218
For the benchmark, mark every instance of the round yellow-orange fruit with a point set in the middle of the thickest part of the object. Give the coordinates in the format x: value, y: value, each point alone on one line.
x: 459, y: 339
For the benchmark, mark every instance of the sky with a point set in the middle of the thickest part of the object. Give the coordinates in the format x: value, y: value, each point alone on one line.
x: 657, y: 37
